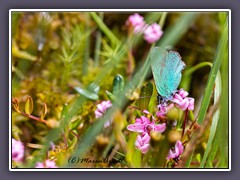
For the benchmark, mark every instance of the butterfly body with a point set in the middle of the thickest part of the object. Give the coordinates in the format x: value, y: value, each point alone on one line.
x: 167, y: 72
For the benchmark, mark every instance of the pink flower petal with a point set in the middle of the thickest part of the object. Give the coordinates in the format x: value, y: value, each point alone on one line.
x: 145, y: 120
x: 183, y: 93
x: 138, y: 120
x: 144, y: 148
x: 191, y: 104
x: 134, y: 20
x: 136, y: 127
x: 170, y: 155
x: 160, y: 127
x: 179, y: 147
x: 97, y: 114
x: 184, y: 104
x: 177, y: 97
x: 139, y: 28
x: 145, y: 138
x: 39, y: 165
x: 159, y: 113
x: 146, y: 112
x: 17, y: 150
x: 153, y: 33
x: 50, y: 164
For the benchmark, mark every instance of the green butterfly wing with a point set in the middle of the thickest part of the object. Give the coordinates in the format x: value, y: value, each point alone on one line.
x: 167, y: 70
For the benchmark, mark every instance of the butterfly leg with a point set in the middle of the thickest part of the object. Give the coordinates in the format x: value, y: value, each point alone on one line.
x: 161, y: 100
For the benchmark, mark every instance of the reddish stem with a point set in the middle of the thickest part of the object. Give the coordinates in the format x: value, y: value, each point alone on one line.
x: 34, y: 118
x: 184, y: 122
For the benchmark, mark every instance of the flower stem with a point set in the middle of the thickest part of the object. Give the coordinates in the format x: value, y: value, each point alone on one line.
x: 33, y: 117
x: 184, y: 122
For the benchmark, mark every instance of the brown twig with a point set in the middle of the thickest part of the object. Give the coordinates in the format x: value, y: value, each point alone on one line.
x: 34, y: 117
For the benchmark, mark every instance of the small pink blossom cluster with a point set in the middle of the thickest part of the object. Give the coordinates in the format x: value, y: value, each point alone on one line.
x: 46, y: 164
x: 182, y: 101
x: 175, y: 152
x: 17, y: 150
x: 145, y: 126
x: 101, y: 109
x: 163, y: 109
x: 152, y: 33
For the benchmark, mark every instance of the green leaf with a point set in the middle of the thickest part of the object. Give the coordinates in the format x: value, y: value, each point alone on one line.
x: 74, y: 125
x: 145, y: 96
x: 91, y: 92
x: 118, y: 85
x: 111, y: 96
x: 198, y: 157
x: 44, y: 111
x: 74, y: 141
x: 137, y: 159
x: 29, y: 105
x: 63, y: 116
x: 16, y: 52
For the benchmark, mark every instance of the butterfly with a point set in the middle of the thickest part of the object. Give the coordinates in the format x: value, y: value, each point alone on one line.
x: 167, y: 69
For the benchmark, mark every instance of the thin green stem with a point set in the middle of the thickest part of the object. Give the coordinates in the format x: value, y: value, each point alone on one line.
x: 196, y: 67
x: 98, y: 42
x: 163, y: 19
x: 87, y: 48
x: 114, y: 40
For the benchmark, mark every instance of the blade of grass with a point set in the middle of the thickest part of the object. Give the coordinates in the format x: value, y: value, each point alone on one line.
x: 114, y: 40
x: 188, y: 163
x: 213, y: 73
x: 162, y: 20
x: 87, y: 48
x: 224, y: 112
x: 98, y: 42
x: 217, y: 93
x: 222, y: 137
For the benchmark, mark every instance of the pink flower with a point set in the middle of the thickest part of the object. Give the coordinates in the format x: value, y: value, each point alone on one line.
x: 101, y: 109
x: 139, y: 29
x: 176, y: 151
x: 136, y: 22
x: 163, y: 109
x: 191, y: 104
x: 142, y: 142
x: 46, y: 164
x: 182, y: 93
x: 143, y: 125
x: 17, y: 150
x: 182, y: 101
x: 153, y: 33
